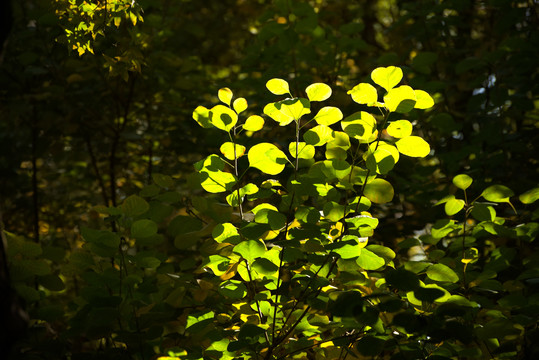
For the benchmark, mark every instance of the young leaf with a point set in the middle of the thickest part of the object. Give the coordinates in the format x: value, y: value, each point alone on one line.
x: 276, y: 114
x: 530, y: 196
x: 387, y: 77
x: 294, y: 108
x: 400, y: 129
x: 497, y: 193
x: 318, y: 135
x: 318, y: 92
x: 223, y: 117
x: 369, y: 260
x: 424, y: 100
x: 253, y: 123
x: 216, y: 181
x: 278, y: 86
x: 267, y: 158
x: 413, y: 146
x: 225, y: 95
x: 401, y: 99
x: 227, y: 149
x: 379, y: 191
x: 202, y: 116
x: 453, y: 206
x: 328, y: 115
x: 462, y: 181
x: 225, y: 232
x: 441, y: 272
x: 360, y: 125
x: 304, y: 150
x: 364, y: 93
x: 240, y: 105
x: 250, y: 250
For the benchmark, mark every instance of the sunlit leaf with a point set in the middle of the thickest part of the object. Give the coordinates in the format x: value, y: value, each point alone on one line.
x: 369, y: 260
x: 423, y: 100
x: 276, y: 114
x: 250, y: 250
x: 216, y: 181
x: 267, y: 158
x: 278, y: 86
x: 225, y: 95
x: 318, y: 135
x: 400, y: 129
x: 401, y: 99
x: 497, y: 193
x: 364, y: 93
x: 530, y: 196
x: 240, y: 105
x: 233, y: 289
x: 303, y: 150
x: 253, y: 123
x: 387, y: 77
x: 226, y: 232
x: 379, y: 191
x: 227, y: 149
x: 328, y: 115
x: 294, y: 108
x: 453, y: 206
x: 202, y: 116
x: 443, y: 273
x: 318, y: 92
x: 223, y: 117
x: 360, y: 125
x: 462, y: 181
x: 413, y: 146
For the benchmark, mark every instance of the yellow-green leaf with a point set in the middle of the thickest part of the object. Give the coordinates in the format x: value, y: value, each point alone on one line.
x: 202, y: 116
x: 216, y: 181
x: 453, y: 206
x: 318, y: 92
x: 295, y: 108
x: 361, y: 126
x: 364, y: 93
x: 227, y: 149
x: 239, y: 105
x: 278, y: 86
x: 401, y: 99
x: 423, y: 100
x: 413, y: 146
x: 223, y: 117
x: 328, y: 115
x: 276, y: 114
x: 387, y: 77
x: 253, y: 123
x: 441, y: 272
x: 318, y: 135
x: 530, y: 196
x: 462, y: 181
x: 497, y: 193
x: 304, y: 151
x: 379, y: 191
x: 225, y: 95
x: 267, y: 158
x: 400, y: 129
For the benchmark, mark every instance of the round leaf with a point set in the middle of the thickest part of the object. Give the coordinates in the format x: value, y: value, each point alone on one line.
x: 530, y: 196
x: 364, y: 93
x: 223, y: 117
x: 453, y: 206
x: 216, y: 181
x: 441, y: 272
x: 202, y: 116
x: 227, y: 149
x: 413, y: 146
x: 462, y: 181
x: 226, y: 232
x: 233, y: 289
x: 497, y: 193
x: 379, y: 191
x: 369, y: 260
x: 400, y: 129
x: 303, y: 150
x: 250, y: 250
x: 401, y: 99
x: 134, y: 205
x: 276, y: 114
x: 318, y: 92
x: 423, y: 100
x: 278, y: 86
x: 387, y: 77
x: 225, y: 95
x: 240, y: 105
x: 143, y: 228
x: 360, y: 125
x: 318, y: 135
x: 253, y: 123
x: 328, y: 115
x: 267, y: 158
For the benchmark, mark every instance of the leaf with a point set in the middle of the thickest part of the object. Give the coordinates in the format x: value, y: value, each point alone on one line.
x: 328, y: 115
x: 333, y: 211
x: 497, y: 193
x: 387, y: 77
x: 278, y: 86
x: 250, y: 250
x: 462, y: 181
x: 303, y: 150
x: 202, y: 116
x: 253, y: 123
x: 423, y: 100
x: 381, y: 161
x: 402, y: 279
x: 318, y: 135
x: 276, y: 114
x: 401, y: 99
x: 379, y: 191
x: 400, y: 129
x: 240, y: 105
x: 134, y: 205
x: 143, y: 228
x: 413, y: 146
x: 483, y: 212
x: 227, y: 149
x: 233, y: 289
x: 267, y: 158
x: 364, y: 93
x: 318, y: 92
x: 226, y: 232
x: 216, y: 181
x: 164, y: 181
x: 223, y: 117
x: 369, y: 260
x: 453, y: 206
x: 443, y: 273
x: 249, y: 189
x: 361, y: 126
x: 225, y: 95
x: 530, y: 196
x: 294, y: 108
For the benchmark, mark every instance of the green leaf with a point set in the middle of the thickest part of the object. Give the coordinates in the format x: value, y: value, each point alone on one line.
x: 226, y: 232
x: 267, y: 158
x: 369, y: 260
x: 364, y: 93
x: 497, y: 193
x: 400, y: 129
x: 360, y: 125
x: 333, y: 211
x: 227, y: 149
x: 202, y: 116
x: 402, y: 279
x: 423, y: 100
x: 164, y: 181
x: 349, y: 247
x: 278, y: 86
x: 143, y: 228
x: 304, y: 151
x: 413, y: 146
x: 198, y: 321
x: 223, y: 117
x: 225, y: 95
x: 380, y: 161
x: 250, y: 250
x: 295, y: 108
x: 233, y: 289
x: 318, y: 92
x: 253, y: 123
x: 483, y: 212
x: 453, y: 206
x: 318, y: 135
x: 266, y: 215
x: 462, y: 181
x: 387, y: 77
x: 530, y: 196
x: 276, y: 114
x: 183, y: 224
x: 249, y: 189
x: 101, y: 237
x: 328, y: 115
x: 441, y: 272
x: 240, y: 105
x: 216, y: 181
x: 370, y: 346
x: 134, y: 205
x: 379, y: 191
x: 401, y: 99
